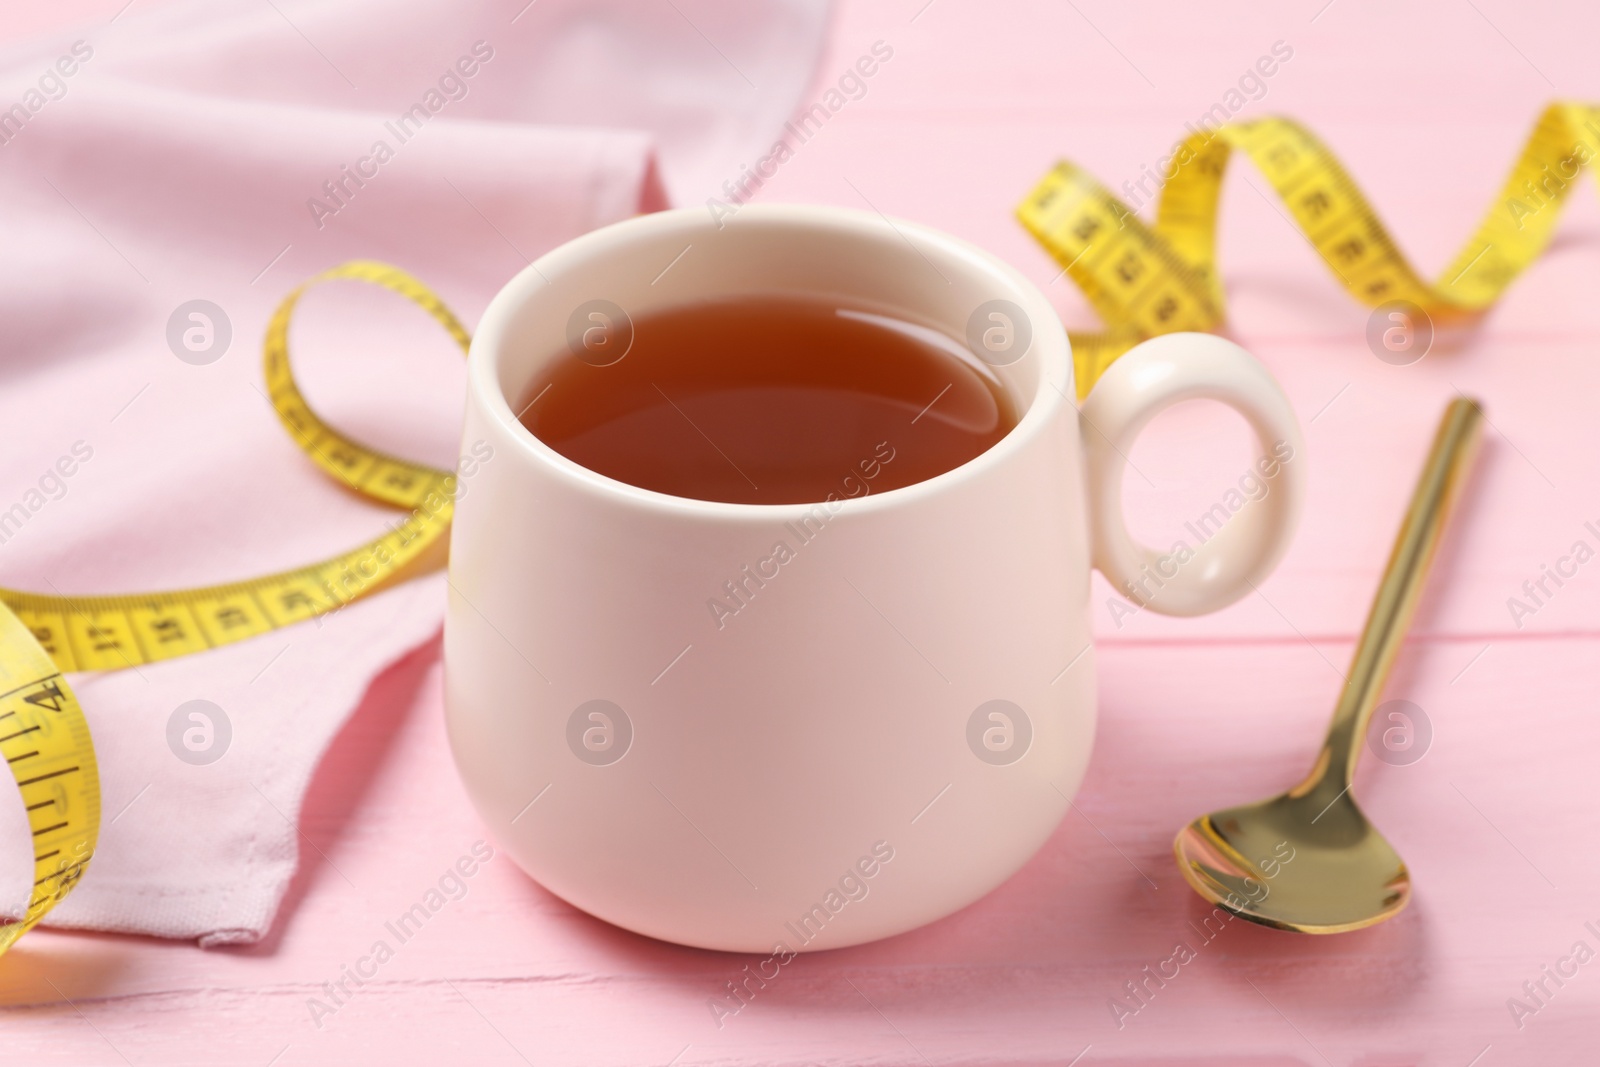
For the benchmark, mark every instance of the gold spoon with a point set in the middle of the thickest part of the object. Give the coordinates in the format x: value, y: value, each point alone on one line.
x: 1309, y: 860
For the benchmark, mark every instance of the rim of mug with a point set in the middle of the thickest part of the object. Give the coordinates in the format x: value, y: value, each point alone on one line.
x: 1049, y: 345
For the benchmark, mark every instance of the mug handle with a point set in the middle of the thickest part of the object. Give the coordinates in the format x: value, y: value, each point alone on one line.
x: 1194, y: 576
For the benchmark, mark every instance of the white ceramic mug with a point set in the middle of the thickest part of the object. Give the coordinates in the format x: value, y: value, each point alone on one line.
x: 898, y: 713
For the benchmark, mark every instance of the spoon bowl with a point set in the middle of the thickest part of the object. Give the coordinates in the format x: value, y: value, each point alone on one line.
x: 1295, y: 863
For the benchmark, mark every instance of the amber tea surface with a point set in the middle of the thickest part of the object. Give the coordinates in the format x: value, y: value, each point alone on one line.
x: 770, y: 400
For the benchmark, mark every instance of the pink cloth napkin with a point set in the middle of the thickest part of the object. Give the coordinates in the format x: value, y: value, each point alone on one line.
x: 225, y: 151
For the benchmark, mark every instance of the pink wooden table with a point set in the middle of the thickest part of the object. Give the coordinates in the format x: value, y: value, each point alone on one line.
x: 1497, y: 821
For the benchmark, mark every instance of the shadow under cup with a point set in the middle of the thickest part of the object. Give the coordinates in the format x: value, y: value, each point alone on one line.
x: 742, y: 726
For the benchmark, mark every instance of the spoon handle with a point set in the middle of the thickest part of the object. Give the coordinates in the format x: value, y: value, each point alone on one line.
x: 1437, y: 489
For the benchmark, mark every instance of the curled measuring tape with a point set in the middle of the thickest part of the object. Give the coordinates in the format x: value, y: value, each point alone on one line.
x: 1147, y: 280
x: 43, y: 735
x: 1143, y: 280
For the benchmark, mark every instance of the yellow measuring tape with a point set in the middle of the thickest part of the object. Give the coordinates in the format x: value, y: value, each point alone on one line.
x: 1148, y: 280
x: 43, y: 734
x: 1143, y: 280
